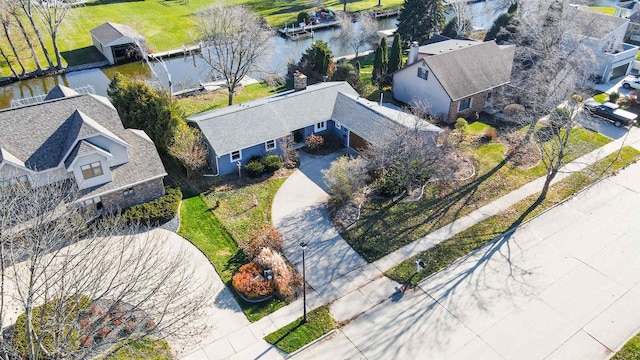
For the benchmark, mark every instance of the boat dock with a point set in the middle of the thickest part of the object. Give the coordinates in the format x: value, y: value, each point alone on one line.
x: 288, y: 32
x: 185, y: 50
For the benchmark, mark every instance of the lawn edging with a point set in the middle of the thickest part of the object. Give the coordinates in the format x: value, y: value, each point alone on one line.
x: 298, y: 335
x: 330, y: 333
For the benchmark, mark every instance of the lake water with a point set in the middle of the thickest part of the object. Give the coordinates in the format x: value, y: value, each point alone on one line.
x: 189, y: 71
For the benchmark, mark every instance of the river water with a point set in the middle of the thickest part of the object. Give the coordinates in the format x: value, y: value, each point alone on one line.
x: 189, y: 71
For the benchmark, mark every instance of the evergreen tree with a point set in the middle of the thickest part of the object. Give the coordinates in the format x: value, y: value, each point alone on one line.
x: 505, y: 27
x: 420, y: 19
x: 450, y: 30
x: 377, y: 65
x: 395, y: 56
x: 317, y: 58
x: 384, y: 49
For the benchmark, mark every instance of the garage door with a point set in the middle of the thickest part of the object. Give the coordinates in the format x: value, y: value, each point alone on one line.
x: 619, y: 71
x: 356, y: 142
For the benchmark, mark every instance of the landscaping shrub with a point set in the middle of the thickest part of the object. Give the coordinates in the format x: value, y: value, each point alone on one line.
x: 460, y: 125
x: 283, y: 276
x: 345, y: 178
x: 314, y: 141
x: 614, y: 96
x: 513, y: 110
x: 266, y: 237
x: 45, y: 325
x: 271, y: 163
x: 155, y: 212
x: 490, y: 134
x: 249, y: 281
x: 387, y: 185
x: 254, y: 168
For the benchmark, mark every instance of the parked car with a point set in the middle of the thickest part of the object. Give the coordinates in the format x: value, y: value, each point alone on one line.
x: 631, y: 82
x: 611, y: 112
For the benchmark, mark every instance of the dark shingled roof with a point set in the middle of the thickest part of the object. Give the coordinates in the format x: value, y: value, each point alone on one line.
x: 591, y: 24
x: 60, y: 91
x: 472, y: 69
x: 41, y: 134
x: 629, y: 5
x: 241, y: 126
x: 110, y: 32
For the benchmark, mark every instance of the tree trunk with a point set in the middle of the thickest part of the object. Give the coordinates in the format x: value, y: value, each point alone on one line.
x: 344, y: 7
x: 13, y: 48
x: 54, y: 39
x: 8, y: 61
x: 39, y: 37
x: 29, y: 43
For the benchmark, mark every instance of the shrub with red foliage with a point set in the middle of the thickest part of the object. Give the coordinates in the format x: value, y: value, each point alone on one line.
x: 84, y: 322
x: 266, y: 237
x: 149, y: 324
x: 249, y: 281
x: 85, y: 340
x: 314, y: 141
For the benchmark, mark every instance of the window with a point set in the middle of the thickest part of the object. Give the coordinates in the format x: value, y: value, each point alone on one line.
x: 464, y: 104
x: 270, y: 145
x: 91, y: 170
x: 236, y: 156
x: 423, y: 73
x: 128, y: 193
x: 338, y: 126
x: 321, y: 126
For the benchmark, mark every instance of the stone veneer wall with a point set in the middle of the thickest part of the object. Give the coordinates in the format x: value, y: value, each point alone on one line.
x: 477, y: 104
x: 144, y: 192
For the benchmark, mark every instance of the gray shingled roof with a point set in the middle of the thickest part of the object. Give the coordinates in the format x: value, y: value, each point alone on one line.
x: 472, y: 69
x: 60, y: 91
x: 628, y: 5
x: 110, y: 32
x: 256, y: 122
x: 251, y: 123
x: 591, y: 24
x: 443, y: 46
x: 41, y: 134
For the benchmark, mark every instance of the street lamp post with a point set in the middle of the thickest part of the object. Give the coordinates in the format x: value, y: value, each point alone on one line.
x: 303, y: 246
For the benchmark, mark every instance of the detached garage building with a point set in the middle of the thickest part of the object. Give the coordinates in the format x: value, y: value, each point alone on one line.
x: 118, y: 43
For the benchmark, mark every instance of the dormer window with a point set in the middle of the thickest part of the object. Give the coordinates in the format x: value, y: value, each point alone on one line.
x: 92, y: 170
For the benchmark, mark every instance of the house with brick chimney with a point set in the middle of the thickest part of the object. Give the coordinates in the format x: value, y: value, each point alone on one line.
x: 240, y: 132
x: 454, y: 78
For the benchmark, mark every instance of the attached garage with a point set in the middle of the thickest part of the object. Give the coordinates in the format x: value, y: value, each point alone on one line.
x: 619, y: 71
x: 356, y: 142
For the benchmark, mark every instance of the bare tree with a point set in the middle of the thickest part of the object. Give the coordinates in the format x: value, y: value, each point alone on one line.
x: 555, y: 55
x: 405, y: 157
x: 356, y: 35
x: 13, y: 9
x: 5, y: 22
x: 234, y: 42
x: 52, y: 14
x: 462, y: 16
x: 27, y: 7
x: 188, y: 146
x: 77, y: 287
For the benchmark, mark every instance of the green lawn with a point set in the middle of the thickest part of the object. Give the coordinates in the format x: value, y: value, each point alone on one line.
x: 631, y: 350
x: 245, y: 210
x: 601, y: 98
x: 215, y: 100
x: 168, y: 24
x: 298, y: 334
x: 386, y: 226
x: 445, y: 253
x: 145, y: 349
x: 603, y: 9
x: 205, y: 231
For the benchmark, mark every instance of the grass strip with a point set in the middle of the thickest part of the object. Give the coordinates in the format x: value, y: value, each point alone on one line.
x: 297, y: 334
x: 630, y: 351
x: 206, y: 232
x: 446, y: 252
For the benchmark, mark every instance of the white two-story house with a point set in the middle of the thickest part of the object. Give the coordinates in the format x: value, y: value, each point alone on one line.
x: 80, y: 139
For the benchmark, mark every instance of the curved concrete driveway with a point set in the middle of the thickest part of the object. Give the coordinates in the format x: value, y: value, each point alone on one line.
x: 300, y: 214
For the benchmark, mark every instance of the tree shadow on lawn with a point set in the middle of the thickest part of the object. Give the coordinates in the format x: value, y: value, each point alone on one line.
x: 389, y: 229
x: 85, y: 55
x: 108, y: 2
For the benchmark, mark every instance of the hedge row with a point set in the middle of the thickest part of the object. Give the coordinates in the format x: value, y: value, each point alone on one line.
x: 155, y: 212
x: 262, y: 165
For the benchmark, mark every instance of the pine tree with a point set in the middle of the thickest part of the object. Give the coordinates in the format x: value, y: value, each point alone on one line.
x: 377, y: 66
x: 420, y: 19
x: 384, y: 49
x: 395, y: 56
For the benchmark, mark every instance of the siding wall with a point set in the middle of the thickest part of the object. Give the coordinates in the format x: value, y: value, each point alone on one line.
x: 227, y: 167
x: 342, y: 133
x: 409, y: 88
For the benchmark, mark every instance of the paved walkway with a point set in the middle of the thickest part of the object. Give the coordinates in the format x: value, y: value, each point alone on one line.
x: 342, y: 278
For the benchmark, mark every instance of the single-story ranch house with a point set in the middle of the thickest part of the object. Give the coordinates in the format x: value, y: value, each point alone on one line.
x: 81, y: 139
x: 453, y: 77
x: 238, y: 133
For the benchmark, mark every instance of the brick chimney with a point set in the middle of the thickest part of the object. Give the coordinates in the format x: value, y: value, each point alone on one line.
x: 413, y: 53
x: 299, y: 81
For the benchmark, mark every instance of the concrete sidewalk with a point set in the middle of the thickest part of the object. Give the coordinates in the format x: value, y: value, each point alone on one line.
x: 342, y: 278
